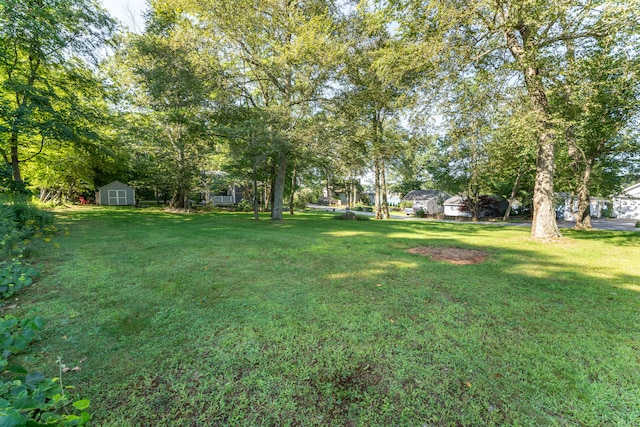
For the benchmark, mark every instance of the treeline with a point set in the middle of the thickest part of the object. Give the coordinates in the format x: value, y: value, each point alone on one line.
x: 516, y: 99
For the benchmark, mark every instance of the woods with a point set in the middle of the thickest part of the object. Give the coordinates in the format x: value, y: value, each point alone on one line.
x: 518, y: 100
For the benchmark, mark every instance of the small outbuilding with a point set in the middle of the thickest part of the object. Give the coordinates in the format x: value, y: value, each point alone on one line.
x: 455, y: 206
x: 429, y: 200
x: 116, y: 194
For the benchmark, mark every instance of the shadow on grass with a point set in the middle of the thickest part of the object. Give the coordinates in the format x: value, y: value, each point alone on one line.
x: 312, y: 321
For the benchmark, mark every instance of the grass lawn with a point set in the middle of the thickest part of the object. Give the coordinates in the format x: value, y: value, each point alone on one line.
x: 216, y: 319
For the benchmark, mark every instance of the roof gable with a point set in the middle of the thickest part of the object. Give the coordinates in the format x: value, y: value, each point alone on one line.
x: 633, y: 191
x: 115, y: 185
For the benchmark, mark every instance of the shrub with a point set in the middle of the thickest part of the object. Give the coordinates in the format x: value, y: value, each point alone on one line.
x: 304, y: 197
x: 637, y: 224
x: 15, y: 275
x: 244, y: 206
x: 420, y: 213
x: 20, y: 221
x: 607, y: 212
x: 351, y: 216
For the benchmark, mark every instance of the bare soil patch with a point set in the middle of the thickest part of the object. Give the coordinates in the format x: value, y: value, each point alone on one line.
x: 451, y: 255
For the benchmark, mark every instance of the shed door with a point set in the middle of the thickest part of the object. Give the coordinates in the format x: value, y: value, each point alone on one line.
x: 117, y: 197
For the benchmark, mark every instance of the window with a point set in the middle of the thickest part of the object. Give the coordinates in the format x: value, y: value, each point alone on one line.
x: 117, y: 197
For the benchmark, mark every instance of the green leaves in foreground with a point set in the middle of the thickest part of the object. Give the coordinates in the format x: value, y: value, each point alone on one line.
x: 28, y: 398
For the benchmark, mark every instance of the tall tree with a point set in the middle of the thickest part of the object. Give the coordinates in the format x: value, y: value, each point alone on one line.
x: 373, y: 99
x: 171, y: 77
x: 526, y: 38
x: 45, y: 48
x: 281, y: 52
x: 598, y: 98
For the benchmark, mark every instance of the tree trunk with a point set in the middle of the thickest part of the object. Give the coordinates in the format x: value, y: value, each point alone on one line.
x: 278, y: 187
x: 255, y: 196
x: 512, y: 197
x: 15, y: 162
x: 583, y: 216
x: 376, y: 174
x: 293, y: 191
x: 383, y: 190
x: 544, y: 225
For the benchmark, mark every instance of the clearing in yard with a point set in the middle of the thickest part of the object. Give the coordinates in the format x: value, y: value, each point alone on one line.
x: 216, y: 319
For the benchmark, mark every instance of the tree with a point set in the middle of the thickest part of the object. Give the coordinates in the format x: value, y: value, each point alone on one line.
x: 175, y: 94
x: 280, y: 53
x: 526, y: 39
x: 596, y: 101
x: 371, y: 99
x: 45, y: 48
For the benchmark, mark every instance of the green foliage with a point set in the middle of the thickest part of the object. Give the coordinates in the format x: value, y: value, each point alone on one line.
x: 244, y: 206
x: 304, y: 197
x: 607, y: 212
x: 637, y: 224
x: 420, y: 213
x: 351, y: 216
x: 406, y: 204
x: 15, y: 275
x: 19, y: 222
x: 30, y: 398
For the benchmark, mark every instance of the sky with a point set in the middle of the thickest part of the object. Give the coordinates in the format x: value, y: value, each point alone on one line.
x: 129, y: 12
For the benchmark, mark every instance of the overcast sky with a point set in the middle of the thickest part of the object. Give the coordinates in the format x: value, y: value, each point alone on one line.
x: 129, y: 12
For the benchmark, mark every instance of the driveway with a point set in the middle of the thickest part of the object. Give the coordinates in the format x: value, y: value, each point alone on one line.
x: 614, y: 224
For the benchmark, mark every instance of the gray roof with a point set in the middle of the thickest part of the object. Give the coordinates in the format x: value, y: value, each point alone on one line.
x: 454, y: 201
x: 422, y: 194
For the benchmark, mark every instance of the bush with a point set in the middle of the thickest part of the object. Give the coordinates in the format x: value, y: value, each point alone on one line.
x: 304, y: 197
x: 637, y: 224
x: 244, y: 206
x: 20, y: 221
x: 15, y: 275
x: 420, y: 213
x: 607, y: 213
x: 351, y: 216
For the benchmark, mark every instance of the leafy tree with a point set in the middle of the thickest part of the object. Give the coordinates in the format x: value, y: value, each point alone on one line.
x: 280, y: 55
x: 523, y: 41
x: 174, y: 96
x: 45, y: 48
x: 596, y: 101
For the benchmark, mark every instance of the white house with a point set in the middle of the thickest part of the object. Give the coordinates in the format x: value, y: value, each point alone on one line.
x: 627, y: 204
x: 429, y: 200
x: 571, y: 208
x: 454, y: 206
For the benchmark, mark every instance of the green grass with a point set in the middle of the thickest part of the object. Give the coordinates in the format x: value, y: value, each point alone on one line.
x: 216, y: 319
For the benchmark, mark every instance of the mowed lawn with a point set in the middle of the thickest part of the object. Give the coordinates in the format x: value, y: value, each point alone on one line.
x: 216, y: 319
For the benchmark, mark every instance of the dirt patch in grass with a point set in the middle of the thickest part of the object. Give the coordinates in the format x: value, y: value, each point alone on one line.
x: 451, y: 255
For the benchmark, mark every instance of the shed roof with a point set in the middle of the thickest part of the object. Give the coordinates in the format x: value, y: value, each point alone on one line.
x: 454, y: 201
x: 114, y: 185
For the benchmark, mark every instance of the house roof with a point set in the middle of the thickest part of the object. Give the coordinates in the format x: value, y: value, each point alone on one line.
x: 454, y: 201
x: 422, y: 194
x: 632, y: 191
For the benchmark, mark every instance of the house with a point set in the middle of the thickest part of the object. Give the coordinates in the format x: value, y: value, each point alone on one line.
x: 570, y: 208
x: 627, y: 204
x: 429, y: 200
x: 116, y: 194
x: 455, y: 206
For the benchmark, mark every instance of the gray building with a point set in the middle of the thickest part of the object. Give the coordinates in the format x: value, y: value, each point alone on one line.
x: 116, y: 194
